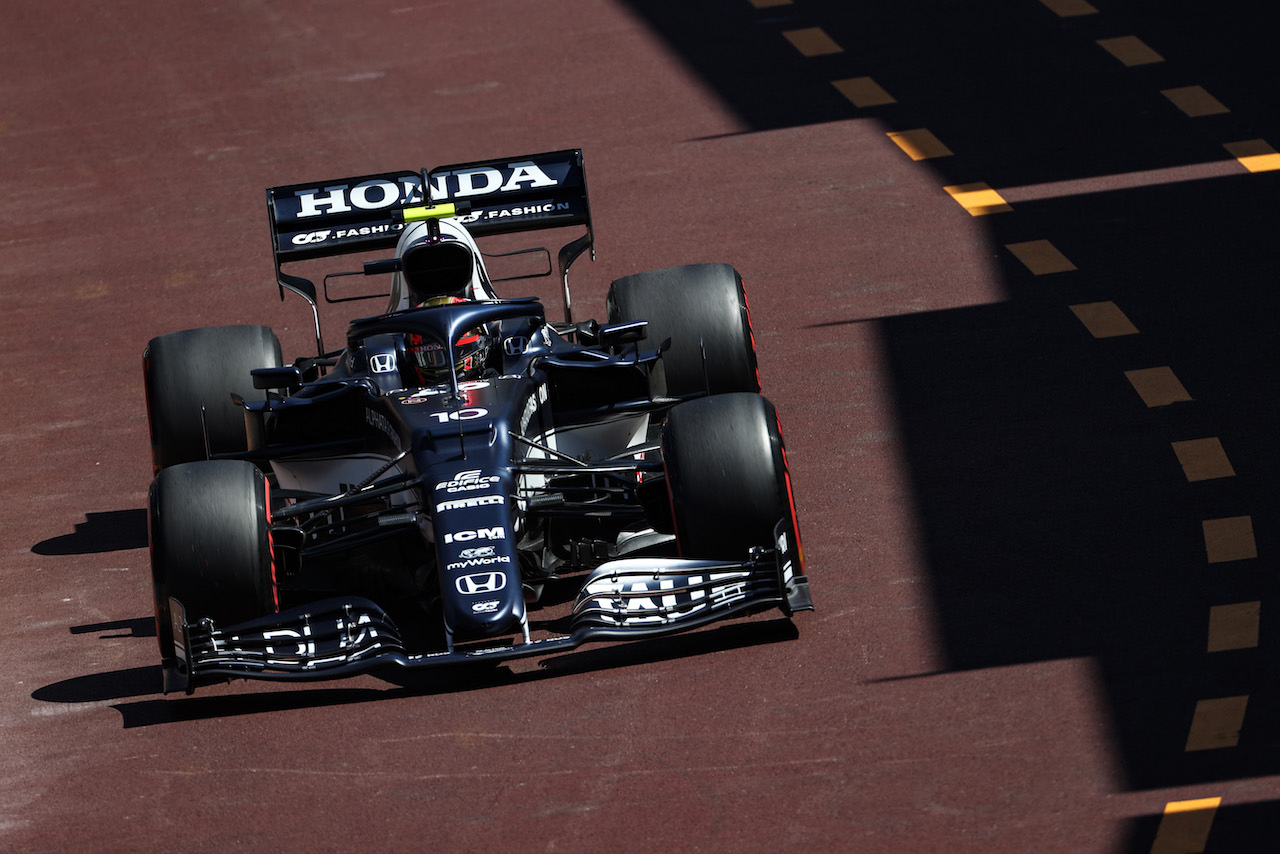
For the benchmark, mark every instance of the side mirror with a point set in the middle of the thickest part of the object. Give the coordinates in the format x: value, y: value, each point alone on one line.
x: 383, y: 265
x: 288, y: 378
x: 617, y: 334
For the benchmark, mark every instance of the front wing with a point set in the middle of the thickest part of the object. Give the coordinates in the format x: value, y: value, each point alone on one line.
x: 620, y: 600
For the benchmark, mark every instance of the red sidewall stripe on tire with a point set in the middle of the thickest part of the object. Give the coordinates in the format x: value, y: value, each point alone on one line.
x: 791, y: 499
x: 751, y: 333
x: 271, y: 548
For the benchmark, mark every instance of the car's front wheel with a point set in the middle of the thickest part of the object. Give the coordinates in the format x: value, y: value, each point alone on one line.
x: 210, y: 532
x: 726, y: 471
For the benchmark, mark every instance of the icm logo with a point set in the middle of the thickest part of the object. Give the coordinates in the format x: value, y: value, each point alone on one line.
x: 498, y: 533
x: 382, y: 363
x: 479, y: 583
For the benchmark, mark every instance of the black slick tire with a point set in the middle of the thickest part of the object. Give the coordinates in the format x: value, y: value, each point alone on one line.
x: 210, y: 538
x: 185, y: 371
x: 701, y: 308
x: 726, y: 475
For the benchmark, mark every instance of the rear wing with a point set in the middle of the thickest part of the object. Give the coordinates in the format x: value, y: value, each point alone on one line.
x: 368, y: 212
x: 327, y: 218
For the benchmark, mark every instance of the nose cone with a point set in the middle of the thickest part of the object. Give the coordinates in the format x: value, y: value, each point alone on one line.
x: 485, y: 601
x: 476, y: 549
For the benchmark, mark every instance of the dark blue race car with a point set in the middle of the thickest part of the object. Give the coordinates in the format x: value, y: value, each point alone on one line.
x: 464, y: 480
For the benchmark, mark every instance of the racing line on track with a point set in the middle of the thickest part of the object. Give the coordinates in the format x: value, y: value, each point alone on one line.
x: 1216, y: 722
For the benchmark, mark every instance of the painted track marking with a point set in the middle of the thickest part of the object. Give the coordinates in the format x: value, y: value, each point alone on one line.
x: 1104, y: 319
x: 1203, y: 459
x: 919, y: 144
x: 1157, y: 386
x: 863, y: 92
x: 978, y: 199
x: 1194, y: 101
x: 1229, y: 539
x: 1184, y: 827
x: 1040, y: 257
x: 1130, y: 50
x: 1216, y: 724
x: 1234, y: 626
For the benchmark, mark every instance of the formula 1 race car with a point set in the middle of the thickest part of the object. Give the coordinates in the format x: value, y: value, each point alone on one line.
x: 464, y: 480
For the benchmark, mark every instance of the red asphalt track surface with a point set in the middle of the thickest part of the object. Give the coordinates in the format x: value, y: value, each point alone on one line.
x: 136, y: 139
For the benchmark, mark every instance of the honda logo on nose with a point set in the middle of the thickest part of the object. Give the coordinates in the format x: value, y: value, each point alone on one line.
x: 383, y: 363
x: 481, y: 582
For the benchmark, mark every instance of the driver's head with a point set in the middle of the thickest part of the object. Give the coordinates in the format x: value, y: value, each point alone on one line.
x: 429, y: 359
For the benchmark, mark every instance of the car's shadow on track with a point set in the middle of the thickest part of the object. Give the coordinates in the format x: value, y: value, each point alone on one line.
x: 150, y: 708
x: 109, y: 531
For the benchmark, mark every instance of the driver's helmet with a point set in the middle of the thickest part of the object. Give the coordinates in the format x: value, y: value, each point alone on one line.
x: 429, y: 359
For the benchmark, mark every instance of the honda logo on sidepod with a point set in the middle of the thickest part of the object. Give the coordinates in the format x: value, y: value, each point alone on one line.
x: 481, y: 582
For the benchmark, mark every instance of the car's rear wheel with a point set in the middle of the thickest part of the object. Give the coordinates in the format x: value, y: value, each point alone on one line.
x: 198, y: 370
x: 702, y: 308
x: 210, y: 531
x: 726, y: 472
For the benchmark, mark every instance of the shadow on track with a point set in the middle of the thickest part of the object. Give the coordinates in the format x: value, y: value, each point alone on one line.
x: 1056, y: 518
x: 109, y: 531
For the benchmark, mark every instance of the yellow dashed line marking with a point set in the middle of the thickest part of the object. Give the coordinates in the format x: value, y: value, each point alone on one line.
x: 1184, y: 827
x: 1040, y: 257
x: 1157, y: 386
x: 1070, y: 8
x: 1104, y: 319
x: 863, y: 92
x: 1234, y: 626
x: 1256, y: 155
x: 1203, y: 459
x: 812, y: 41
x: 1229, y: 539
x: 1216, y: 723
x: 920, y: 144
x: 1130, y: 50
x: 1194, y: 101
x: 978, y: 199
